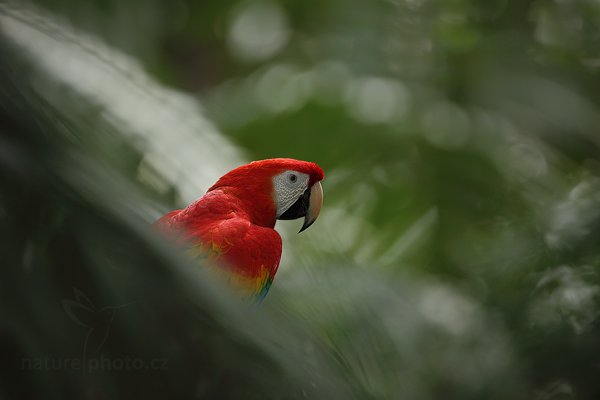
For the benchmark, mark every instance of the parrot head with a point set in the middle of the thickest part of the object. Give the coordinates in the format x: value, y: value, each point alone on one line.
x: 277, y: 188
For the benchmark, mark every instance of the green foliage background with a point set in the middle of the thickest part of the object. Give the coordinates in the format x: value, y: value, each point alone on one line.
x: 457, y: 253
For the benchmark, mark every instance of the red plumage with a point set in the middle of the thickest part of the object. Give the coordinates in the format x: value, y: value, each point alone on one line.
x: 233, y: 223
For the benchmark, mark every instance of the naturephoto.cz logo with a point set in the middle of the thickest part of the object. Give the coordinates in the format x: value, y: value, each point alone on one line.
x: 92, y: 364
x: 96, y: 323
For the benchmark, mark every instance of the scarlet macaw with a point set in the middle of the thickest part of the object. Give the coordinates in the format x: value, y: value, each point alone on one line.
x: 233, y: 223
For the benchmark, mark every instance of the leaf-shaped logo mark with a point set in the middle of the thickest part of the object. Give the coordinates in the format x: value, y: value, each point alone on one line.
x: 96, y: 320
x: 80, y: 309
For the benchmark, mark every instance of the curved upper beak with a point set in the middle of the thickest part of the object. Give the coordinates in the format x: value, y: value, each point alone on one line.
x: 315, y: 201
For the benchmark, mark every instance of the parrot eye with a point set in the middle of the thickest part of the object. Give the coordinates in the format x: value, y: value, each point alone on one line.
x: 293, y: 178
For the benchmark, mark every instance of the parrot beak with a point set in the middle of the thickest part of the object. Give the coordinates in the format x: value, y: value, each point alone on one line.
x: 315, y: 202
x: 307, y: 206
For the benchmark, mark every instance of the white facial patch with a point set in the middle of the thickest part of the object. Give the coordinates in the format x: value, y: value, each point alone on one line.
x: 287, y: 188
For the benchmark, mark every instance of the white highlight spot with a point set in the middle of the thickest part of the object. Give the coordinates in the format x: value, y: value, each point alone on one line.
x: 376, y: 100
x: 258, y: 30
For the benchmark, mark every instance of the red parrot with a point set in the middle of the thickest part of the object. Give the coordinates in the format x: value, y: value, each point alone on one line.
x: 233, y: 223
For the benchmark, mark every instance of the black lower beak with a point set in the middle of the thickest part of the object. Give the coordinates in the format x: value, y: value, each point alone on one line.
x: 299, y: 208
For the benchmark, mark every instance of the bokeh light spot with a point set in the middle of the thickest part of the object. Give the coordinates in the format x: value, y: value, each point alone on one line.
x: 258, y: 30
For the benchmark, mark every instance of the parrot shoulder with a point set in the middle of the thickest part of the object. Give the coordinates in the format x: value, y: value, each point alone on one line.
x: 167, y: 222
x: 217, y: 228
